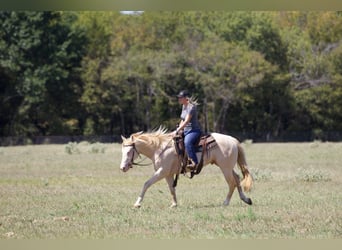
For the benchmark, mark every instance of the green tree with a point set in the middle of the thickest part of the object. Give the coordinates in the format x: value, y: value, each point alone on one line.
x: 40, y: 56
x: 94, y: 98
x: 313, y: 40
x: 257, y: 30
x: 108, y: 73
x: 224, y: 71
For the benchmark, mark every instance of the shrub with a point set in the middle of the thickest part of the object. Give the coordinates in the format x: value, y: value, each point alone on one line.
x: 97, y: 148
x: 71, y: 148
x: 312, y: 175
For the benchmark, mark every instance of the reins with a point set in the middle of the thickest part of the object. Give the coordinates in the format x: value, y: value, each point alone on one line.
x: 165, y: 147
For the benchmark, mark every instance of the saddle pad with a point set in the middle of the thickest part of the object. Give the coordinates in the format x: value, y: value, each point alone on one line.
x: 207, y: 140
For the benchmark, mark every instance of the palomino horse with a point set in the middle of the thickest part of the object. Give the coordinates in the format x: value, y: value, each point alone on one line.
x: 158, y: 146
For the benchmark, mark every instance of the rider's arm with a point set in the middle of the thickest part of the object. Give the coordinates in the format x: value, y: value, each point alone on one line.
x: 182, y: 124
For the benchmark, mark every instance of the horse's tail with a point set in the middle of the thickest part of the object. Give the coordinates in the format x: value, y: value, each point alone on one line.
x: 247, y: 181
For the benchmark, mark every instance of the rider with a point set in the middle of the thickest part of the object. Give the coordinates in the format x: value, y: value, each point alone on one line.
x: 190, y: 124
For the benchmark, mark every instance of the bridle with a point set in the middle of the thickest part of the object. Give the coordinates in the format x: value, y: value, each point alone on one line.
x: 136, y: 151
x: 132, y: 159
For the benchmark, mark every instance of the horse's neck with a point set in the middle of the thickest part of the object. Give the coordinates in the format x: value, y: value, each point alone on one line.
x: 146, y: 149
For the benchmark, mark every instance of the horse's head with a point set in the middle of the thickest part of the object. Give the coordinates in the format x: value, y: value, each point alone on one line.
x: 141, y: 143
x: 129, y: 153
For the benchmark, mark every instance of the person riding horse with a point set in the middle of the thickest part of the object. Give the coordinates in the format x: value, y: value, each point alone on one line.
x: 190, y: 125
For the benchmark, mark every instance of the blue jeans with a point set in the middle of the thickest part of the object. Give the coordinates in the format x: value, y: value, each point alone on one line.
x: 191, y: 137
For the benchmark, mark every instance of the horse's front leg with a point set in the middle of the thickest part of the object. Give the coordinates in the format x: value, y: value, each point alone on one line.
x: 158, y: 175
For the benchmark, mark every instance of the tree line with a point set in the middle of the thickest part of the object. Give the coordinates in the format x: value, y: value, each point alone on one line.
x: 108, y: 73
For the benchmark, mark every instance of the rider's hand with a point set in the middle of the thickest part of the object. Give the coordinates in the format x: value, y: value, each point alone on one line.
x: 174, y: 133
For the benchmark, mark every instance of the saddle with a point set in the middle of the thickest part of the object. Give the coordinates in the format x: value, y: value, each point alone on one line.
x: 204, y: 144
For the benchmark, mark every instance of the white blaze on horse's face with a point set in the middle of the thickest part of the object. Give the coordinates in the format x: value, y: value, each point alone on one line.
x: 128, y: 156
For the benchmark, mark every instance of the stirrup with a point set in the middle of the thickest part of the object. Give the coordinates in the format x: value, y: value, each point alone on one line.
x: 191, y: 165
x: 193, y: 169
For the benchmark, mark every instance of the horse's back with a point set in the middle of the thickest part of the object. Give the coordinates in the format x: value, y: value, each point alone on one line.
x: 224, y: 139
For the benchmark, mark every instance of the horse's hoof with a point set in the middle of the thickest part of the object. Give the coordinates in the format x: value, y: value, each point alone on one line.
x: 173, y: 206
x: 249, y: 201
x: 137, y: 205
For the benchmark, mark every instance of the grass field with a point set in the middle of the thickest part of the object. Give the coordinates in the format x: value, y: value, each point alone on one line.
x: 77, y: 191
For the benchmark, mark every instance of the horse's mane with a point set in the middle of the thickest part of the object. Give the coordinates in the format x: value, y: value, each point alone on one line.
x: 155, y: 137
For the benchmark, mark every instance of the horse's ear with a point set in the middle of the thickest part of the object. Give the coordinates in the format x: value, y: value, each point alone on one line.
x: 123, y: 138
x: 139, y: 133
x: 133, y: 136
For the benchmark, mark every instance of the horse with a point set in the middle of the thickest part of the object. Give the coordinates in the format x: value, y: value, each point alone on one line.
x: 158, y: 146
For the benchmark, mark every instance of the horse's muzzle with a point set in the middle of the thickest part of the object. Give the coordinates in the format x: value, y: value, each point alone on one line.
x: 125, y: 168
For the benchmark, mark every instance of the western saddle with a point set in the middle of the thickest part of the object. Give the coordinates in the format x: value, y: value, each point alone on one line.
x: 204, y: 144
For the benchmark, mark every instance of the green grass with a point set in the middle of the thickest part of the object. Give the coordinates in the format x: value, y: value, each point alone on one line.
x: 77, y: 191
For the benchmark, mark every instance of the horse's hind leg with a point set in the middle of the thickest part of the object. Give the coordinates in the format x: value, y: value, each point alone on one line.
x: 169, y: 180
x: 228, y: 175
x: 242, y: 195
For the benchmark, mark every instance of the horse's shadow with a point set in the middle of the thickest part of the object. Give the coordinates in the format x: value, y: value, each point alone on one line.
x: 200, y: 206
x: 214, y: 205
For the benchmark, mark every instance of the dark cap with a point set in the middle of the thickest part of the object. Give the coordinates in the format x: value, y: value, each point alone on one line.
x: 183, y: 93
